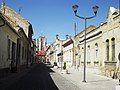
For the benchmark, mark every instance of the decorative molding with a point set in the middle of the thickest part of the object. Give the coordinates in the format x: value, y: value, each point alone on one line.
x: 110, y: 62
x: 95, y: 62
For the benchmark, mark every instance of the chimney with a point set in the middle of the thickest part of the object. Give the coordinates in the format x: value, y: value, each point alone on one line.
x: 57, y: 36
x: 67, y: 36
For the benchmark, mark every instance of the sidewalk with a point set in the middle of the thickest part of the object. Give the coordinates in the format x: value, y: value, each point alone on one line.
x: 94, y: 81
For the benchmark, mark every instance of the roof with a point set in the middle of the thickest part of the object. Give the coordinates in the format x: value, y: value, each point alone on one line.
x: 13, y: 25
x: 70, y: 41
x: 16, y: 18
x: 41, y: 53
x: 88, y: 30
x: 6, y: 22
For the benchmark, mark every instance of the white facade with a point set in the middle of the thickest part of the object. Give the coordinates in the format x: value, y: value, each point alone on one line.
x: 68, y: 52
x: 102, y: 44
x: 57, y: 46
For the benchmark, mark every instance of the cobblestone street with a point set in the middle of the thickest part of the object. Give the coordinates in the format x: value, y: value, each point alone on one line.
x: 62, y: 83
x: 39, y: 78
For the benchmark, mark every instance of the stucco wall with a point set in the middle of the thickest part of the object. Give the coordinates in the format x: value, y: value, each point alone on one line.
x: 68, y: 55
x: 5, y: 34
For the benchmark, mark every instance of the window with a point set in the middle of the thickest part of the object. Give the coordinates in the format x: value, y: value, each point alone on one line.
x: 78, y: 46
x: 107, y: 49
x: 25, y: 53
x: 82, y: 55
x: 13, y: 51
x: 22, y: 52
x: 8, y: 48
x: 88, y: 53
x: 96, y: 51
x: 79, y: 59
x: 96, y: 54
x: 82, y: 48
x: 113, y: 48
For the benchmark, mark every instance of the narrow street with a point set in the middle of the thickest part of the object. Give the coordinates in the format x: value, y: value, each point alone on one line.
x: 42, y: 78
x: 59, y: 45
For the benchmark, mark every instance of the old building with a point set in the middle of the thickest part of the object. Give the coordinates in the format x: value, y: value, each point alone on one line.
x: 24, y: 28
x: 8, y: 44
x: 41, y: 48
x: 92, y: 39
x: 102, y: 45
x: 110, y: 41
x: 50, y: 53
x: 33, y: 58
x: 68, y: 52
x: 55, y: 51
x: 58, y: 50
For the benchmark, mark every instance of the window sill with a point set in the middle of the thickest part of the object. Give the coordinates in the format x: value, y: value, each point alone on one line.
x: 110, y: 62
x: 88, y: 62
x: 82, y: 62
x: 96, y: 61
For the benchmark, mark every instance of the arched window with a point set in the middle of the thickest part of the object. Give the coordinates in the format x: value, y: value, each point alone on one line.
x: 107, y: 49
x: 82, y: 48
x: 88, y: 53
x: 113, y: 48
x: 96, y: 51
x: 78, y: 46
x: 82, y: 55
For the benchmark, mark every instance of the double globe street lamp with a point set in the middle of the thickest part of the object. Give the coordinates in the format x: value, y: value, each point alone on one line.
x: 95, y: 9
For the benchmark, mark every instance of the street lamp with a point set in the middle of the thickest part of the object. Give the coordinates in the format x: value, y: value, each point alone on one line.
x: 95, y: 9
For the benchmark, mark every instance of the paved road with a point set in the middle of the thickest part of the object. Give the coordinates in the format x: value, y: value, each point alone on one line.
x: 39, y: 78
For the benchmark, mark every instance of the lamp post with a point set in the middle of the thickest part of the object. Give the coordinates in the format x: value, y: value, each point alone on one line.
x: 95, y: 9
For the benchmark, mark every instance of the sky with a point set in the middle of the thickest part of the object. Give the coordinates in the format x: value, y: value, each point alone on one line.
x: 51, y: 17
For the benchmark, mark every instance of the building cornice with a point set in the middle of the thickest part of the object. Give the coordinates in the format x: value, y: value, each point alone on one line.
x: 67, y: 43
x: 92, y: 36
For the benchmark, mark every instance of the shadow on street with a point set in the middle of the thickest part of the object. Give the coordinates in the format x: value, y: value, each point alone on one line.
x: 38, y: 78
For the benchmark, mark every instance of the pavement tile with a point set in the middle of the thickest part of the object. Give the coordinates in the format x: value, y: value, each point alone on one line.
x: 94, y: 81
